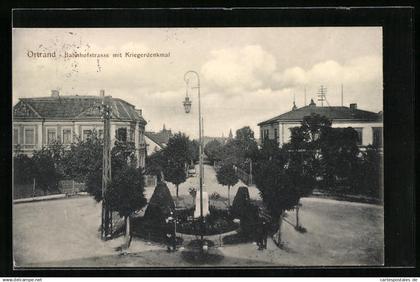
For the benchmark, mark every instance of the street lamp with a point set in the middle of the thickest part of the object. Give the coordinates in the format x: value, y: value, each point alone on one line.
x: 187, y: 106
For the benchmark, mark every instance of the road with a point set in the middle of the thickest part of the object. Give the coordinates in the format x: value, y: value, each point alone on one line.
x: 65, y: 232
x: 210, y: 186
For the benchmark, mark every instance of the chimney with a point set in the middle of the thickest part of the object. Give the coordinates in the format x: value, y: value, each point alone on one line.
x: 139, y: 112
x: 353, y: 106
x: 55, y: 93
x: 101, y: 93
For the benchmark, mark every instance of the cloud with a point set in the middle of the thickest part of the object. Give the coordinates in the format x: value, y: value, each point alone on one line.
x: 236, y: 69
x: 358, y: 70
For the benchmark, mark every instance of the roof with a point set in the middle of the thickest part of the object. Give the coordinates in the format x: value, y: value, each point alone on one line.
x: 161, y: 138
x: 332, y: 113
x: 151, y: 136
x: 73, y: 107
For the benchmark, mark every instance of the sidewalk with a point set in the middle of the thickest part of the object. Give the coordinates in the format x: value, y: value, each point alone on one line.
x: 45, y: 198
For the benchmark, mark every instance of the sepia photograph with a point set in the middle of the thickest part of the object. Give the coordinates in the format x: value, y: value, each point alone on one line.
x: 197, y: 147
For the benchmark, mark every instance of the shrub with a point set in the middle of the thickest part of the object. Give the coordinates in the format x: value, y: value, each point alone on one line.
x: 240, y: 202
x: 160, y: 205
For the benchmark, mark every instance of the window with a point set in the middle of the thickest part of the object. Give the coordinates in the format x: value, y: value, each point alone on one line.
x: 121, y: 134
x: 29, y: 136
x: 86, y: 134
x: 51, y: 135
x: 67, y: 136
x: 359, y: 135
x: 15, y: 136
x: 276, y: 134
x: 377, y: 137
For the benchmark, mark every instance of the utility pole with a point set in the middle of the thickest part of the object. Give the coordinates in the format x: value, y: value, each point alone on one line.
x: 342, y: 96
x: 304, y: 91
x: 321, y: 95
x: 106, y: 166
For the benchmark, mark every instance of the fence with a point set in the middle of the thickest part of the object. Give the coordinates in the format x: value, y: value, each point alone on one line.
x: 71, y: 187
x: 29, y: 190
x: 244, y: 176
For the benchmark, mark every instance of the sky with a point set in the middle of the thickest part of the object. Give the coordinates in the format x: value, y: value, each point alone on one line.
x: 247, y: 75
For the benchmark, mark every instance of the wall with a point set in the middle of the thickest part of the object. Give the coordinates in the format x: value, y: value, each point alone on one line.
x: 285, y: 134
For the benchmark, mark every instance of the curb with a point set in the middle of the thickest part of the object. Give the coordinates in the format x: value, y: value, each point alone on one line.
x: 46, y: 198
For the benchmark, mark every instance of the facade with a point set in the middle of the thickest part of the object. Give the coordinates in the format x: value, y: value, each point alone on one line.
x: 156, y: 141
x: 152, y: 144
x: 38, y: 122
x: 369, y: 125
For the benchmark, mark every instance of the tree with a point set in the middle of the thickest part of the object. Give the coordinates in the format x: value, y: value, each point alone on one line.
x: 46, y: 174
x: 213, y: 150
x: 155, y: 164
x: 277, y: 190
x: 340, y: 156
x: 83, y: 162
x: 367, y: 176
x: 125, y: 194
x: 193, y: 151
x: 175, y: 173
x: 23, y: 169
x: 226, y: 176
x: 177, y: 155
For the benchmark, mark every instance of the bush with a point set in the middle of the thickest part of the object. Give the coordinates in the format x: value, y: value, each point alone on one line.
x: 160, y: 205
x: 240, y: 202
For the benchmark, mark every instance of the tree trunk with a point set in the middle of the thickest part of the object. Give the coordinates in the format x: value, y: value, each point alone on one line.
x: 177, y: 191
x: 228, y: 195
x: 127, y: 231
x: 297, y: 216
x: 279, y: 230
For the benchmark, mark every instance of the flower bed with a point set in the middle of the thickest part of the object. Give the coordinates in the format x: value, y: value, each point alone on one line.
x: 217, y: 222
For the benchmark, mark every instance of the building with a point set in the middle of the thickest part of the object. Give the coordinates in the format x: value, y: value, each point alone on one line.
x: 38, y: 122
x: 369, y: 125
x: 156, y: 141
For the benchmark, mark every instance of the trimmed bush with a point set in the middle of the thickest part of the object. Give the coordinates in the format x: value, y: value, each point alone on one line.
x: 160, y: 205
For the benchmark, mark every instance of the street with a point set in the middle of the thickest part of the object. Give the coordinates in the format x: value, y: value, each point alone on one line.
x: 65, y: 232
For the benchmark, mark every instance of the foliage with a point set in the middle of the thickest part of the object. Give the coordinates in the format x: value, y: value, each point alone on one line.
x: 309, y: 135
x: 175, y: 174
x: 218, y: 221
x: 193, y: 150
x: 178, y: 150
x: 160, y: 205
x: 155, y: 164
x: 213, y: 150
x: 214, y: 196
x: 85, y: 158
x: 193, y: 192
x: 367, y: 176
x: 239, y: 149
x: 226, y: 175
x: 23, y: 169
x: 340, y: 156
x: 276, y: 187
x: 46, y: 174
x: 245, y: 140
x: 240, y: 202
x: 125, y: 192
x: 122, y: 154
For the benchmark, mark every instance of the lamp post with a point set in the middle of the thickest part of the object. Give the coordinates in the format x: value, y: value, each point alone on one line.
x: 187, y: 106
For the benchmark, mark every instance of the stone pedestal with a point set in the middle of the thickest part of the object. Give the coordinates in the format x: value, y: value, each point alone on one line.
x: 205, y: 205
